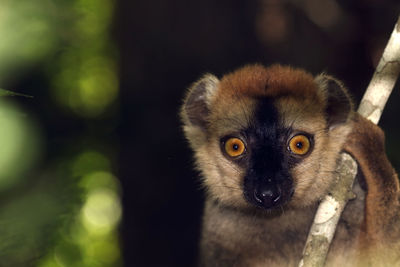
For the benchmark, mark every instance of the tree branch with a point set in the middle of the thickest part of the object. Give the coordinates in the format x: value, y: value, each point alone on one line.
x: 9, y: 93
x: 371, y: 107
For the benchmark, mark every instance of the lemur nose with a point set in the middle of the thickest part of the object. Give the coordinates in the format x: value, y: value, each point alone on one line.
x: 268, y: 196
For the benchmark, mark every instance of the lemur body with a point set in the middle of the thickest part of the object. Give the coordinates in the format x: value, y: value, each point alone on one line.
x: 266, y: 141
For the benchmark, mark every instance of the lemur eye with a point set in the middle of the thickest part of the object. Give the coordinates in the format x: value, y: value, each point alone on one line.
x: 299, y: 144
x: 234, y: 147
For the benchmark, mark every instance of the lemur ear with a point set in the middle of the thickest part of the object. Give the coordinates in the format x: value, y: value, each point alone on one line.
x: 196, y: 105
x: 338, y: 101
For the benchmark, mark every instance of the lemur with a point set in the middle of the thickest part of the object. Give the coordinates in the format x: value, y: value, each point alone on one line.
x: 266, y: 141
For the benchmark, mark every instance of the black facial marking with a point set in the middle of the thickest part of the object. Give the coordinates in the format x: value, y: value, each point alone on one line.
x: 267, y: 183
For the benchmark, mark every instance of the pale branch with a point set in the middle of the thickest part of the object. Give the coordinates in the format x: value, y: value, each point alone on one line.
x: 383, y: 80
x: 371, y: 107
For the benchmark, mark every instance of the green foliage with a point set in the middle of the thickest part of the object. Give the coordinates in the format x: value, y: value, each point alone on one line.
x: 29, y: 33
x: 20, y: 144
x: 90, y: 239
x: 84, y: 74
x: 66, y: 211
x: 30, y: 221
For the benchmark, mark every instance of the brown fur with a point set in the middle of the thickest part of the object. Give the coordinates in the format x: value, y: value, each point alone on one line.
x: 380, y: 236
x: 235, y: 233
x: 276, y: 80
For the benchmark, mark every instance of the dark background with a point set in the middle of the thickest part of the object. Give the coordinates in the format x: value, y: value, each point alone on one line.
x: 163, y: 47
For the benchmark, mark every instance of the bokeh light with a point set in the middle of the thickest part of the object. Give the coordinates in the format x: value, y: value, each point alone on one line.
x: 20, y: 144
x: 27, y: 31
x: 88, y: 162
x: 102, y: 211
x: 85, y: 76
x: 91, y: 240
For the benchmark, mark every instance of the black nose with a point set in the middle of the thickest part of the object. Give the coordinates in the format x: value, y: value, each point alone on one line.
x: 267, y: 196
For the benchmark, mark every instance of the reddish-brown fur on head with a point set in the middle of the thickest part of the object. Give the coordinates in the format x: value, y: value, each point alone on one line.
x: 273, y: 81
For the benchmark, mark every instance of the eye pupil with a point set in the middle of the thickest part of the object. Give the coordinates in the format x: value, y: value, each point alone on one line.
x: 299, y: 145
x: 235, y: 147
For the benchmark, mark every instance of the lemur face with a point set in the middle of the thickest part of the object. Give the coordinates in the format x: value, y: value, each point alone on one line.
x: 266, y: 137
x: 267, y: 151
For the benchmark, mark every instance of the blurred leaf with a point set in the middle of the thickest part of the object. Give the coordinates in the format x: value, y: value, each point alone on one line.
x: 20, y: 142
x: 9, y: 93
x: 31, y: 215
x: 28, y: 41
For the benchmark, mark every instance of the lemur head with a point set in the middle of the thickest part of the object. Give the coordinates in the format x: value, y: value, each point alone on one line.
x: 267, y: 137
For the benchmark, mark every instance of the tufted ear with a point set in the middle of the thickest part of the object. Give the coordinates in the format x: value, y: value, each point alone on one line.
x: 196, y: 107
x: 339, y: 105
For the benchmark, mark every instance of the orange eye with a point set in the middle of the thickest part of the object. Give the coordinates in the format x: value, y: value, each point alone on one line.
x: 234, y: 147
x: 299, y: 144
